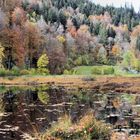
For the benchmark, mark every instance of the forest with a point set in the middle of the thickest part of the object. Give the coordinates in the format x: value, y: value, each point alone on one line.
x: 53, y: 37
x: 69, y: 70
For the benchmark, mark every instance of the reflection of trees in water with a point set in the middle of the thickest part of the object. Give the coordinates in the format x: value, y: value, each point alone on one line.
x: 120, y: 111
x: 112, y: 109
x: 31, y: 96
x: 43, y: 97
x: 39, y: 108
x: 9, y: 100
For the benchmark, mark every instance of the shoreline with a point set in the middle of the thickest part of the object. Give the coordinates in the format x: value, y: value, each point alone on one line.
x: 116, y: 84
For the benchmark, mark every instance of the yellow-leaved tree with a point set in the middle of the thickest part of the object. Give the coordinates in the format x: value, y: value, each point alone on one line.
x: 42, y: 64
x: 61, y: 39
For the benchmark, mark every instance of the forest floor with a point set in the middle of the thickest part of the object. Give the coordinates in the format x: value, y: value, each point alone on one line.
x: 116, y: 84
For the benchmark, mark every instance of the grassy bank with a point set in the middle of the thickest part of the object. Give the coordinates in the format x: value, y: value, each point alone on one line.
x: 80, y: 70
x: 81, y: 77
x: 102, y: 70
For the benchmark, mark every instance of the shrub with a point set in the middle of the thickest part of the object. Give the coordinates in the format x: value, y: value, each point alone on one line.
x: 66, y: 72
x: 108, y: 70
x: 10, y: 78
x: 43, y: 71
x: 24, y: 72
x: 4, y: 72
x: 97, y: 70
x: 87, y: 128
x: 103, y: 70
x: 33, y: 71
x: 138, y: 66
x: 15, y: 71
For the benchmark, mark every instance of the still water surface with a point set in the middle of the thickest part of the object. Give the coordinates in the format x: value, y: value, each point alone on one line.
x: 24, y: 111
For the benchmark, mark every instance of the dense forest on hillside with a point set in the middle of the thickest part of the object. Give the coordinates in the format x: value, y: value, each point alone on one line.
x: 58, y: 35
x: 69, y: 70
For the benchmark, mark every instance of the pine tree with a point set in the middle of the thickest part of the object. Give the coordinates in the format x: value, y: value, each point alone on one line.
x: 103, y: 35
x: 111, y: 32
x: 52, y: 15
x: 62, y: 19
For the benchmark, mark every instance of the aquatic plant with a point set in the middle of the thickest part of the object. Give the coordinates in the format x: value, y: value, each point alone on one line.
x: 87, y: 128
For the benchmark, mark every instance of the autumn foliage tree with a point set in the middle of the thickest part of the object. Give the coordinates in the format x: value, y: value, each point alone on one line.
x: 56, y: 55
x: 1, y: 55
x: 34, y: 41
x: 42, y: 64
x: 6, y: 41
x: 18, y: 47
x: 70, y: 32
x: 9, y: 5
x: 18, y: 16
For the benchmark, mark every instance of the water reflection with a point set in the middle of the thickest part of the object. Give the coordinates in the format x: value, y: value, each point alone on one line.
x: 43, y: 97
x: 30, y: 110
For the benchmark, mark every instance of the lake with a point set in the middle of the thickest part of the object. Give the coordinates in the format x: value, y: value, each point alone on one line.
x: 27, y: 110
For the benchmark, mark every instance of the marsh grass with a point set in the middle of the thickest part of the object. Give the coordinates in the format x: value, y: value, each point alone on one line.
x: 86, y: 128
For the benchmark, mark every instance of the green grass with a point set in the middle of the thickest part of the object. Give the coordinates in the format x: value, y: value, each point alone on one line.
x: 88, y: 71
x: 83, y: 70
x: 76, y: 72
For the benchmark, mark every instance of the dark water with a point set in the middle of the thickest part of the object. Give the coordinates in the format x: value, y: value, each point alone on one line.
x: 31, y: 110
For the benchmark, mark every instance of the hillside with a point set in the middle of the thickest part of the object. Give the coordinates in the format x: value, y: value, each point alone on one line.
x: 64, y: 34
